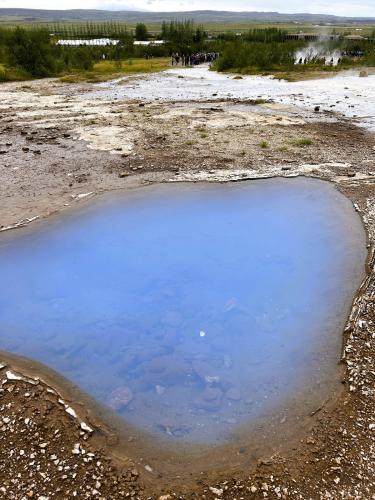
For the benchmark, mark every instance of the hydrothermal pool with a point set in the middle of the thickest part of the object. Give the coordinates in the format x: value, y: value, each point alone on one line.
x: 189, y: 309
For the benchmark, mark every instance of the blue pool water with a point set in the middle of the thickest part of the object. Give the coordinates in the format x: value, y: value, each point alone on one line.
x: 189, y: 309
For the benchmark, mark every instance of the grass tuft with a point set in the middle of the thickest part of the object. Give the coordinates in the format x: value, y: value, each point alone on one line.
x: 305, y: 141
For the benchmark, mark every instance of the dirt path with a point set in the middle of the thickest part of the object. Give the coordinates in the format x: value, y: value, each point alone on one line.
x: 59, y: 147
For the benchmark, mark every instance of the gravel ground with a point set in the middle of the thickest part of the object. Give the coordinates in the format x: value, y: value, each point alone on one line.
x: 45, y: 449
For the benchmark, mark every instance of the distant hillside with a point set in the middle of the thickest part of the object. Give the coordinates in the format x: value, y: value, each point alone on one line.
x: 200, y: 16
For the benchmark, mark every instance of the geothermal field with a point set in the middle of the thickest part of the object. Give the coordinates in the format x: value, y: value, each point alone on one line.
x: 187, y: 301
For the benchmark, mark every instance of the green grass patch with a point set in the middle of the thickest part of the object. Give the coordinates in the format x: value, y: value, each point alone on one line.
x: 305, y: 141
x: 264, y: 144
x: 13, y: 74
x: 108, y: 70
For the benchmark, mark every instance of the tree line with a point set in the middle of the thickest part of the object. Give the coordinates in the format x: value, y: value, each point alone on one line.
x: 34, y: 52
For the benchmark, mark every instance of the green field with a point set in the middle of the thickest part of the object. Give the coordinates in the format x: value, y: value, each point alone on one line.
x: 212, y: 28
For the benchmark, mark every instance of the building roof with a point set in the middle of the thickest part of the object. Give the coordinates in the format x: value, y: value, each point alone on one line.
x: 92, y: 42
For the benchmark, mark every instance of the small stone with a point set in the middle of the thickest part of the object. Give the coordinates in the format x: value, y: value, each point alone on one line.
x: 216, y: 491
x: 211, y: 394
x: 76, y: 449
x: 134, y: 473
x: 86, y: 428
x: 120, y: 398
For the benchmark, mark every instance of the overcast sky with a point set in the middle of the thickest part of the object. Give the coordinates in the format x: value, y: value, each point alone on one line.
x: 339, y: 7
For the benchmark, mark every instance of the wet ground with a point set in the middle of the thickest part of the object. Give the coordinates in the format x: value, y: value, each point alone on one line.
x: 344, y: 93
x: 46, y: 168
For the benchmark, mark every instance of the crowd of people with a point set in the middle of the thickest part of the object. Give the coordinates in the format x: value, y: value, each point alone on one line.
x: 193, y: 59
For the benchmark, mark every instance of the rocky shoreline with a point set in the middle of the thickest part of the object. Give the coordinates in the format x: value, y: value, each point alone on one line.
x: 45, y: 447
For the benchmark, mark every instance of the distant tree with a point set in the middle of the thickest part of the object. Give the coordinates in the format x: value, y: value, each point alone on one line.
x: 31, y: 51
x: 141, y: 32
x: 200, y: 35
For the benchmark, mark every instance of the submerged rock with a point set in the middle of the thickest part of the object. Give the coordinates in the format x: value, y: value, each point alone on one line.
x: 120, y: 398
x: 211, y: 394
x: 233, y: 394
x: 205, y: 372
